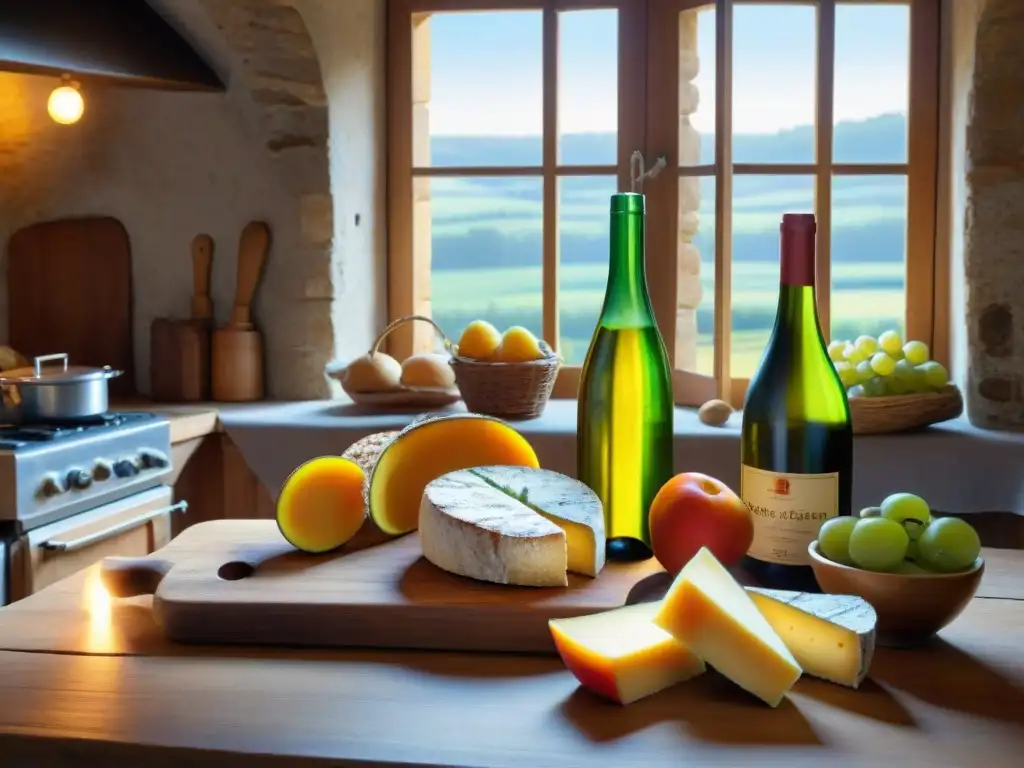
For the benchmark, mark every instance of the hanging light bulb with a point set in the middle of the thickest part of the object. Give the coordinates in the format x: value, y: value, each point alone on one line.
x: 65, y: 104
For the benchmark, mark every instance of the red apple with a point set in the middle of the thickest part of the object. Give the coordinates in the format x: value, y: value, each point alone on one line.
x: 693, y: 510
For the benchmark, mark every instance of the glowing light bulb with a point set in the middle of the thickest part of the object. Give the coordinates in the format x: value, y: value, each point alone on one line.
x: 66, y: 104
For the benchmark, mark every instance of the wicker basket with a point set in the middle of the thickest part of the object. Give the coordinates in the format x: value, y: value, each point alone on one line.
x: 901, y: 413
x: 403, y: 397
x: 507, y: 390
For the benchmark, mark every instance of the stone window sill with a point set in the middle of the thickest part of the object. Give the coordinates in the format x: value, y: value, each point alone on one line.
x: 957, y: 467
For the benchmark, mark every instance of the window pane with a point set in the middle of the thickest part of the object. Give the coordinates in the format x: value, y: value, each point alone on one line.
x: 697, y: 86
x: 872, y: 83
x: 482, y: 239
x: 477, y: 94
x: 588, y: 87
x: 583, y: 270
x: 869, y: 242
x: 758, y: 204
x: 695, y: 275
x: 774, y: 53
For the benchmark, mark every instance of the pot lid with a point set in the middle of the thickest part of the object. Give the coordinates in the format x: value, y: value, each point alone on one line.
x: 54, y: 369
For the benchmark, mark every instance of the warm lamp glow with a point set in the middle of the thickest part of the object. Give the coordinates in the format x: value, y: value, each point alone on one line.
x: 66, y: 104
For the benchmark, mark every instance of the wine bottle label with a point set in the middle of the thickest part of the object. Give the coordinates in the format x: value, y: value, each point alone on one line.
x: 787, y: 510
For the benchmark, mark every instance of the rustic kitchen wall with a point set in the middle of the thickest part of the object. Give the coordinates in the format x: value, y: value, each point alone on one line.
x: 991, y: 262
x: 274, y: 147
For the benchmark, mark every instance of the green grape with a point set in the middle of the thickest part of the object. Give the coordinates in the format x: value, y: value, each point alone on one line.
x: 855, y: 391
x: 910, y: 511
x: 865, y: 345
x: 891, y: 343
x: 834, y: 539
x: 870, y: 512
x: 908, y: 568
x: 913, y: 551
x: 948, y: 545
x: 852, y: 356
x: 882, y: 364
x: 903, y: 370
x: 835, y: 350
x: 864, y: 371
x: 896, y: 386
x: 874, y: 387
x: 847, y: 373
x: 935, y: 374
x: 877, y: 544
x: 916, y: 352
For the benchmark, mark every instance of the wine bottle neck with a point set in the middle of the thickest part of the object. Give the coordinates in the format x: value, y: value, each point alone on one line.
x: 626, y: 296
x: 797, y: 252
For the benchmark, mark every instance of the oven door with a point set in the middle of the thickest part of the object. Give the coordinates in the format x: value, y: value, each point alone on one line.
x: 130, y: 527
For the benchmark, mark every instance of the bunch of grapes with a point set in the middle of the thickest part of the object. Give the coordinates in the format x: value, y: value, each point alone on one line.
x: 870, y: 367
x: 900, y: 536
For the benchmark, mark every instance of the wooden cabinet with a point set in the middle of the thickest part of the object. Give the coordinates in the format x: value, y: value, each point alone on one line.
x: 213, y: 477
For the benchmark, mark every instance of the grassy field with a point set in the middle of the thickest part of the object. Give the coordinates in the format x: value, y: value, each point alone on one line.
x: 512, y: 296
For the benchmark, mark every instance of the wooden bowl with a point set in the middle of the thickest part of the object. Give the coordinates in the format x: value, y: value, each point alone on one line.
x: 901, y: 413
x: 911, y: 608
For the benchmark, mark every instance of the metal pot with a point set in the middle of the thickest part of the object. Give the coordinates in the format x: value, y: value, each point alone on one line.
x: 61, y: 393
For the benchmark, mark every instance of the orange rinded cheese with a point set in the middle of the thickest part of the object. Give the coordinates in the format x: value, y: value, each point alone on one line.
x: 427, y: 449
x: 320, y: 506
x: 712, y: 615
x: 621, y: 654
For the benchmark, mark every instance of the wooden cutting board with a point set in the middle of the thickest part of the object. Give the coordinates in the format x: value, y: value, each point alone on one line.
x: 240, y: 582
x: 69, y: 284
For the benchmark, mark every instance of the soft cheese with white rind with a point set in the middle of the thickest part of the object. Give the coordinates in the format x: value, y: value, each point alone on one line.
x: 566, y: 502
x: 830, y: 636
x: 470, y: 528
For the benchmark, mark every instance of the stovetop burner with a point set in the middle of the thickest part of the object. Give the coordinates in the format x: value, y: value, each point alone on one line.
x: 13, y: 436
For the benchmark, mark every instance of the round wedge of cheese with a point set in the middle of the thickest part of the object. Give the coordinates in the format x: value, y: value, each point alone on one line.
x: 512, y: 525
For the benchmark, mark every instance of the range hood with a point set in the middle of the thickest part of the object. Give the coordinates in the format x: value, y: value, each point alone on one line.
x: 122, y: 42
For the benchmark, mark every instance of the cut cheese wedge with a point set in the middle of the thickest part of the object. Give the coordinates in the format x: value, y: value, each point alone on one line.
x: 621, y: 654
x: 711, y: 614
x: 830, y: 636
x: 471, y: 523
x: 566, y: 502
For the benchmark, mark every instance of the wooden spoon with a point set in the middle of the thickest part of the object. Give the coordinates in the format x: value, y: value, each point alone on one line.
x: 252, y: 254
x: 202, y: 260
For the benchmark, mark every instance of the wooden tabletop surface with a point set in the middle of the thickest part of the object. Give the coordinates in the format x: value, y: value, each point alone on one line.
x: 86, y: 682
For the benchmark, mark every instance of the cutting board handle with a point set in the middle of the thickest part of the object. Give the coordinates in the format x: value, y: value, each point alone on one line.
x: 132, y: 576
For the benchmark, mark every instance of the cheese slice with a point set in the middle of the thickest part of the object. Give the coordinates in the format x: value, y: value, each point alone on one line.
x: 566, y: 502
x: 830, y: 636
x: 712, y: 615
x: 469, y: 528
x: 621, y: 654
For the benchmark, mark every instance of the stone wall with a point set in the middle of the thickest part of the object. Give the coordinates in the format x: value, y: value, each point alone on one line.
x: 993, y: 252
x: 274, y: 147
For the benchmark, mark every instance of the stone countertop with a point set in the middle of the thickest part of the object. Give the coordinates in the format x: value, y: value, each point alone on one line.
x: 957, y: 467
x: 84, y: 681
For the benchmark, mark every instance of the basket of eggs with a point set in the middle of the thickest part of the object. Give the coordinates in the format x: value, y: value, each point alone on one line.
x: 424, y: 380
x: 509, y: 375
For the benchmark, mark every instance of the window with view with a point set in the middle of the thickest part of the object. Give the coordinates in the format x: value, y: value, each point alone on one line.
x: 511, y: 125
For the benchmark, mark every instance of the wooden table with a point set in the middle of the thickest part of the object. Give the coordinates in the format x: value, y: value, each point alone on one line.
x: 84, y: 682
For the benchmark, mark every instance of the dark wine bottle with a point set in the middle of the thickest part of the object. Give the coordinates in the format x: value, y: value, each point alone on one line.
x: 625, y: 406
x: 796, y: 450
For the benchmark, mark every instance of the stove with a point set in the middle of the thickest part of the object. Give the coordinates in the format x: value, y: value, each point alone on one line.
x: 52, y: 471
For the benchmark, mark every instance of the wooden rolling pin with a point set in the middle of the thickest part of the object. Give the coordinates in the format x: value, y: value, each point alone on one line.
x: 252, y: 254
x: 202, y: 260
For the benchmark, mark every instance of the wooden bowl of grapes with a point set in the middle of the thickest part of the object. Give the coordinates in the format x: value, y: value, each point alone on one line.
x: 915, y: 594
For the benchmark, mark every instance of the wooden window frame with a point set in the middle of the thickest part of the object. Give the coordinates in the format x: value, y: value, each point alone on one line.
x: 648, y: 120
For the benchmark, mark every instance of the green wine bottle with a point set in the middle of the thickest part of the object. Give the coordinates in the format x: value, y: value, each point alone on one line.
x: 796, y: 450
x: 625, y: 407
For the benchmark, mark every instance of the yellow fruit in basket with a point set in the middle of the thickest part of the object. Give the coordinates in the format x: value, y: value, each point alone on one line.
x: 518, y: 345
x: 374, y: 372
x: 479, y: 340
x: 428, y: 369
